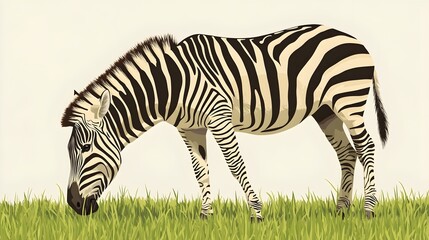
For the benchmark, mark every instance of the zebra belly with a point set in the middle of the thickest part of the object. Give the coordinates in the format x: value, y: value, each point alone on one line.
x: 261, y: 114
x: 263, y: 121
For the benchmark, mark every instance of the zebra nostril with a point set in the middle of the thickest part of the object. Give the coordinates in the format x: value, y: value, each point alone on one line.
x: 78, y: 204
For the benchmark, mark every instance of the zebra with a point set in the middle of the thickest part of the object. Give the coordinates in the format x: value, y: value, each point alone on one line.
x: 260, y: 85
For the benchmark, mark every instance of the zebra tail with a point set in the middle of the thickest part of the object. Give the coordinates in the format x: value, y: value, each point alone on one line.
x: 383, y: 124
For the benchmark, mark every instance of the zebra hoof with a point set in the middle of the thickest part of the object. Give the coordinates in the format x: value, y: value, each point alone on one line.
x: 369, y: 214
x: 204, y: 216
x: 341, y: 213
x: 256, y: 219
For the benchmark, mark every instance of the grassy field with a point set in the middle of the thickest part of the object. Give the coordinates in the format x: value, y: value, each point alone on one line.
x: 403, y: 216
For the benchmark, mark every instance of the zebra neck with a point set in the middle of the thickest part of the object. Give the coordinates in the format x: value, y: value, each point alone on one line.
x: 125, y: 122
x: 145, y: 90
x: 144, y: 87
x: 138, y: 98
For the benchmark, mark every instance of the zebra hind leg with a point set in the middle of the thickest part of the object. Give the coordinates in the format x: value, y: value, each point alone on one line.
x: 195, y: 141
x: 365, y: 149
x: 223, y: 132
x: 332, y: 127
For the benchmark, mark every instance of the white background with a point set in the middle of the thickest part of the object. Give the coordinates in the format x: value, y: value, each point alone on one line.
x: 48, y: 49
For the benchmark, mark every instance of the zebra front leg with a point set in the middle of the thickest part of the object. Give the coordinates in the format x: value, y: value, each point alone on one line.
x: 195, y: 141
x: 223, y: 132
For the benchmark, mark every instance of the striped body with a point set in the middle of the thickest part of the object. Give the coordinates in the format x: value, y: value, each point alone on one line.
x: 258, y: 85
x: 275, y: 81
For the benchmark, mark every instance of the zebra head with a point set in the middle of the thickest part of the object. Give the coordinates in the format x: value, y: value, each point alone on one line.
x: 94, y: 157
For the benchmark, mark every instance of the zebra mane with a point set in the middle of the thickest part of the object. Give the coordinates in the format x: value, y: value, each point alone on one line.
x: 95, y: 88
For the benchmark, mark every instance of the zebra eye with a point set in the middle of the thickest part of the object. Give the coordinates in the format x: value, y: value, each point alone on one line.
x: 85, y: 148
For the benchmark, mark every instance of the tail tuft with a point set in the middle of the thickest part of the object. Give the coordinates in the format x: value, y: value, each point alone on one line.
x: 383, y: 124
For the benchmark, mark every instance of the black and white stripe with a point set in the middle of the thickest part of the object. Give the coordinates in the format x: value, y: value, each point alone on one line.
x: 259, y: 85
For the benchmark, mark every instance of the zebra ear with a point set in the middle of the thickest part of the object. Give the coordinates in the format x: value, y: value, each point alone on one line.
x: 104, y: 104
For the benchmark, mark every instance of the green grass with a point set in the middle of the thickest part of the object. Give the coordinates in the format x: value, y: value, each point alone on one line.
x: 403, y: 216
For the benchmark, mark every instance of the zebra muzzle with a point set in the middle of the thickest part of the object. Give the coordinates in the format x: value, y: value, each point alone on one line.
x: 91, y: 205
x: 80, y: 205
